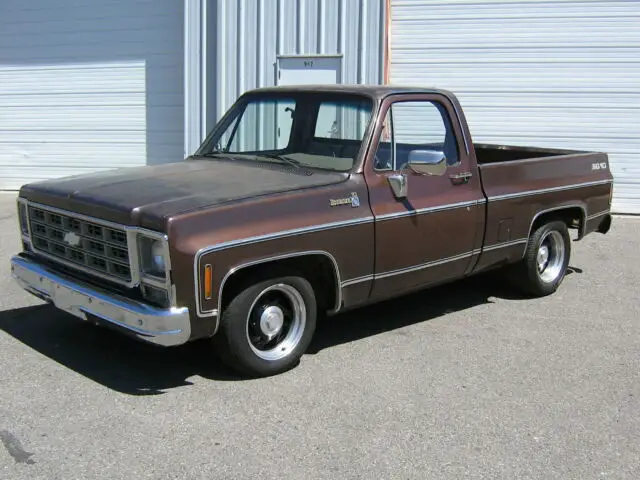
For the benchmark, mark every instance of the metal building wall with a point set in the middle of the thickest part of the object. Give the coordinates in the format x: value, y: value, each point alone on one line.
x: 88, y: 86
x: 245, y: 37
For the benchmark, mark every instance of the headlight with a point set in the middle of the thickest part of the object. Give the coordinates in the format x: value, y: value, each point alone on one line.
x: 157, y: 256
x: 152, y: 257
x: 22, y: 217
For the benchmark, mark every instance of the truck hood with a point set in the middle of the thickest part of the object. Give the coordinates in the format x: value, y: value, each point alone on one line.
x: 147, y: 196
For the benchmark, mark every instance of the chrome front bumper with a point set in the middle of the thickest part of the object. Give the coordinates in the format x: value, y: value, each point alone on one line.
x: 165, y: 327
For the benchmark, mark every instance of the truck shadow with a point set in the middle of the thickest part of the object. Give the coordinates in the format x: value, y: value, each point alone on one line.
x: 412, y: 309
x: 135, y: 368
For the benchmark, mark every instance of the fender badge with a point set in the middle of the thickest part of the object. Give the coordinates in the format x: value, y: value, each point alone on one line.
x: 354, y: 200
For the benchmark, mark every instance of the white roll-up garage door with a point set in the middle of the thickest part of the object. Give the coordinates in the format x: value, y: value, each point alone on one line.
x: 87, y: 86
x: 546, y: 73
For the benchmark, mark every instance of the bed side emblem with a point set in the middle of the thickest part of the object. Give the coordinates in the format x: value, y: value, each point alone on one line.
x: 599, y: 166
x: 352, y: 200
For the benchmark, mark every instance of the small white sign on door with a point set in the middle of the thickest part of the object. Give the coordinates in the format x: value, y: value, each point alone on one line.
x: 308, y: 70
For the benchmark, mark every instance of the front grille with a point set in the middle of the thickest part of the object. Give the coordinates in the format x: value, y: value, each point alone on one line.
x: 97, y: 248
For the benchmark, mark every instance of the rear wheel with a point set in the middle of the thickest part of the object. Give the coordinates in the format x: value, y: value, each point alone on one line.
x: 546, y: 259
x: 267, y: 326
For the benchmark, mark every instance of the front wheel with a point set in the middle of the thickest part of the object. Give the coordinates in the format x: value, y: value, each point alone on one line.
x: 267, y: 326
x: 546, y: 259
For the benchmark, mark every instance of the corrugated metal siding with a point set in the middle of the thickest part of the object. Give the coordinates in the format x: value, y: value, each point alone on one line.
x: 543, y: 73
x: 88, y: 86
x: 250, y: 34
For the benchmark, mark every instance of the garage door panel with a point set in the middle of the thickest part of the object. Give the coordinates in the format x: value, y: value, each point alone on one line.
x: 36, y: 173
x: 525, y: 10
x: 563, y: 74
x: 123, y: 117
x: 74, y: 155
x: 95, y: 79
x: 26, y: 137
x: 73, y: 100
x: 524, y: 55
x: 514, y: 75
x: 545, y: 99
x: 84, y: 87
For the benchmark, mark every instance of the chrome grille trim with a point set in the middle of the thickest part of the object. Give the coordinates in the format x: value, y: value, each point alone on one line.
x: 102, y: 248
x: 128, y: 243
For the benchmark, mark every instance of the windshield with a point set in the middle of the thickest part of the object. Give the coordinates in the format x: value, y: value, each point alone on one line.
x: 310, y: 129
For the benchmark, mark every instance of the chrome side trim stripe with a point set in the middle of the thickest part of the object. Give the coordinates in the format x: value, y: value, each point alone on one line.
x: 596, y: 215
x: 511, y: 243
x: 283, y: 234
x: 437, y: 208
x: 422, y: 266
x: 547, y: 190
x: 462, y: 256
x: 261, y: 238
x: 353, y: 281
x: 233, y: 270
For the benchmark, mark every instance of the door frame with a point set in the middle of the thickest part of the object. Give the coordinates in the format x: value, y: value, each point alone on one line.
x: 376, y: 178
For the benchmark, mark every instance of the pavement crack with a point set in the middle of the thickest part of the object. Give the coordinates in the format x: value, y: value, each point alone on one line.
x: 14, y: 447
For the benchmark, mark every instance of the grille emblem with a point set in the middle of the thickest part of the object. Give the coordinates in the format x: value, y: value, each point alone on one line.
x: 72, y: 239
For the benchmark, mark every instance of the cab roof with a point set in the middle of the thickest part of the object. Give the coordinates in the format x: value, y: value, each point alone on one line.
x: 371, y: 90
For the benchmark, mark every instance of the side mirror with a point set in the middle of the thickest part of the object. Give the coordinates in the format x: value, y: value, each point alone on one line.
x: 427, y: 162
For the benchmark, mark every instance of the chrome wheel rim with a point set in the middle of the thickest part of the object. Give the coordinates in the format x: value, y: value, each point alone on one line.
x: 276, y: 322
x: 550, y: 256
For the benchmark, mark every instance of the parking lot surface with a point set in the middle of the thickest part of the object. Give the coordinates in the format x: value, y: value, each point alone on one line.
x: 468, y: 380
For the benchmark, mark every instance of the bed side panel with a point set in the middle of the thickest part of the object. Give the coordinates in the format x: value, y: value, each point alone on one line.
x: 518, y: 191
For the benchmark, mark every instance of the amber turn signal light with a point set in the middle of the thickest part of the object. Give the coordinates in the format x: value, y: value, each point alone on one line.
x: 208, y: 282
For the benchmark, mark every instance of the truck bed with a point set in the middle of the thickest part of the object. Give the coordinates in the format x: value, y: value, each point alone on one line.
x: 522, y: 183
x: 487, y: 153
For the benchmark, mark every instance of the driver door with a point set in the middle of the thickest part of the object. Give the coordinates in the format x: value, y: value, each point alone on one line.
x: 430, y: 232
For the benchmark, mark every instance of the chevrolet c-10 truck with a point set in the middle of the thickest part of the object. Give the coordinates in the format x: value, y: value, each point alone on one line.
x: 304, y: 200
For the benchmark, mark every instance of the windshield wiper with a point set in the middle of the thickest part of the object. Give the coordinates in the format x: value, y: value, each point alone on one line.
x: 284, y: 158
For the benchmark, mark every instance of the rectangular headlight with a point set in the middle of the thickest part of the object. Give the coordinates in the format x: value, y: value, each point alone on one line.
x: 22, y: 218
x: 152, y: 253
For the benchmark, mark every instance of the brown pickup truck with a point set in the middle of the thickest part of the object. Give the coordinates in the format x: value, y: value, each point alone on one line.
x: 304, y: 200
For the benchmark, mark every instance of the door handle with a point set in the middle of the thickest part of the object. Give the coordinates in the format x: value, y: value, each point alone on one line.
x: 460, y: 178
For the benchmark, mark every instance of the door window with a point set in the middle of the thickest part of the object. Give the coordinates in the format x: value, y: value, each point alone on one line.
x: 415, y: 125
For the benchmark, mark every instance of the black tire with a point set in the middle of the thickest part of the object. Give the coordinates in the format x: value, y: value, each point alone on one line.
x: 232, y: 341
x: 527, y: 274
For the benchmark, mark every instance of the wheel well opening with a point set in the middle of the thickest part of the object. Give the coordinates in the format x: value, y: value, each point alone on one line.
x: 573, y: 217
x: 317, y: 269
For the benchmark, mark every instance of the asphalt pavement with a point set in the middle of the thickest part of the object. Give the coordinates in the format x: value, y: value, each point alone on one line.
x: 468, y: 380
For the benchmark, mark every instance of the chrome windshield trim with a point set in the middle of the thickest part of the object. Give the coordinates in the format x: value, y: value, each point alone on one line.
x: 527, y: 193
